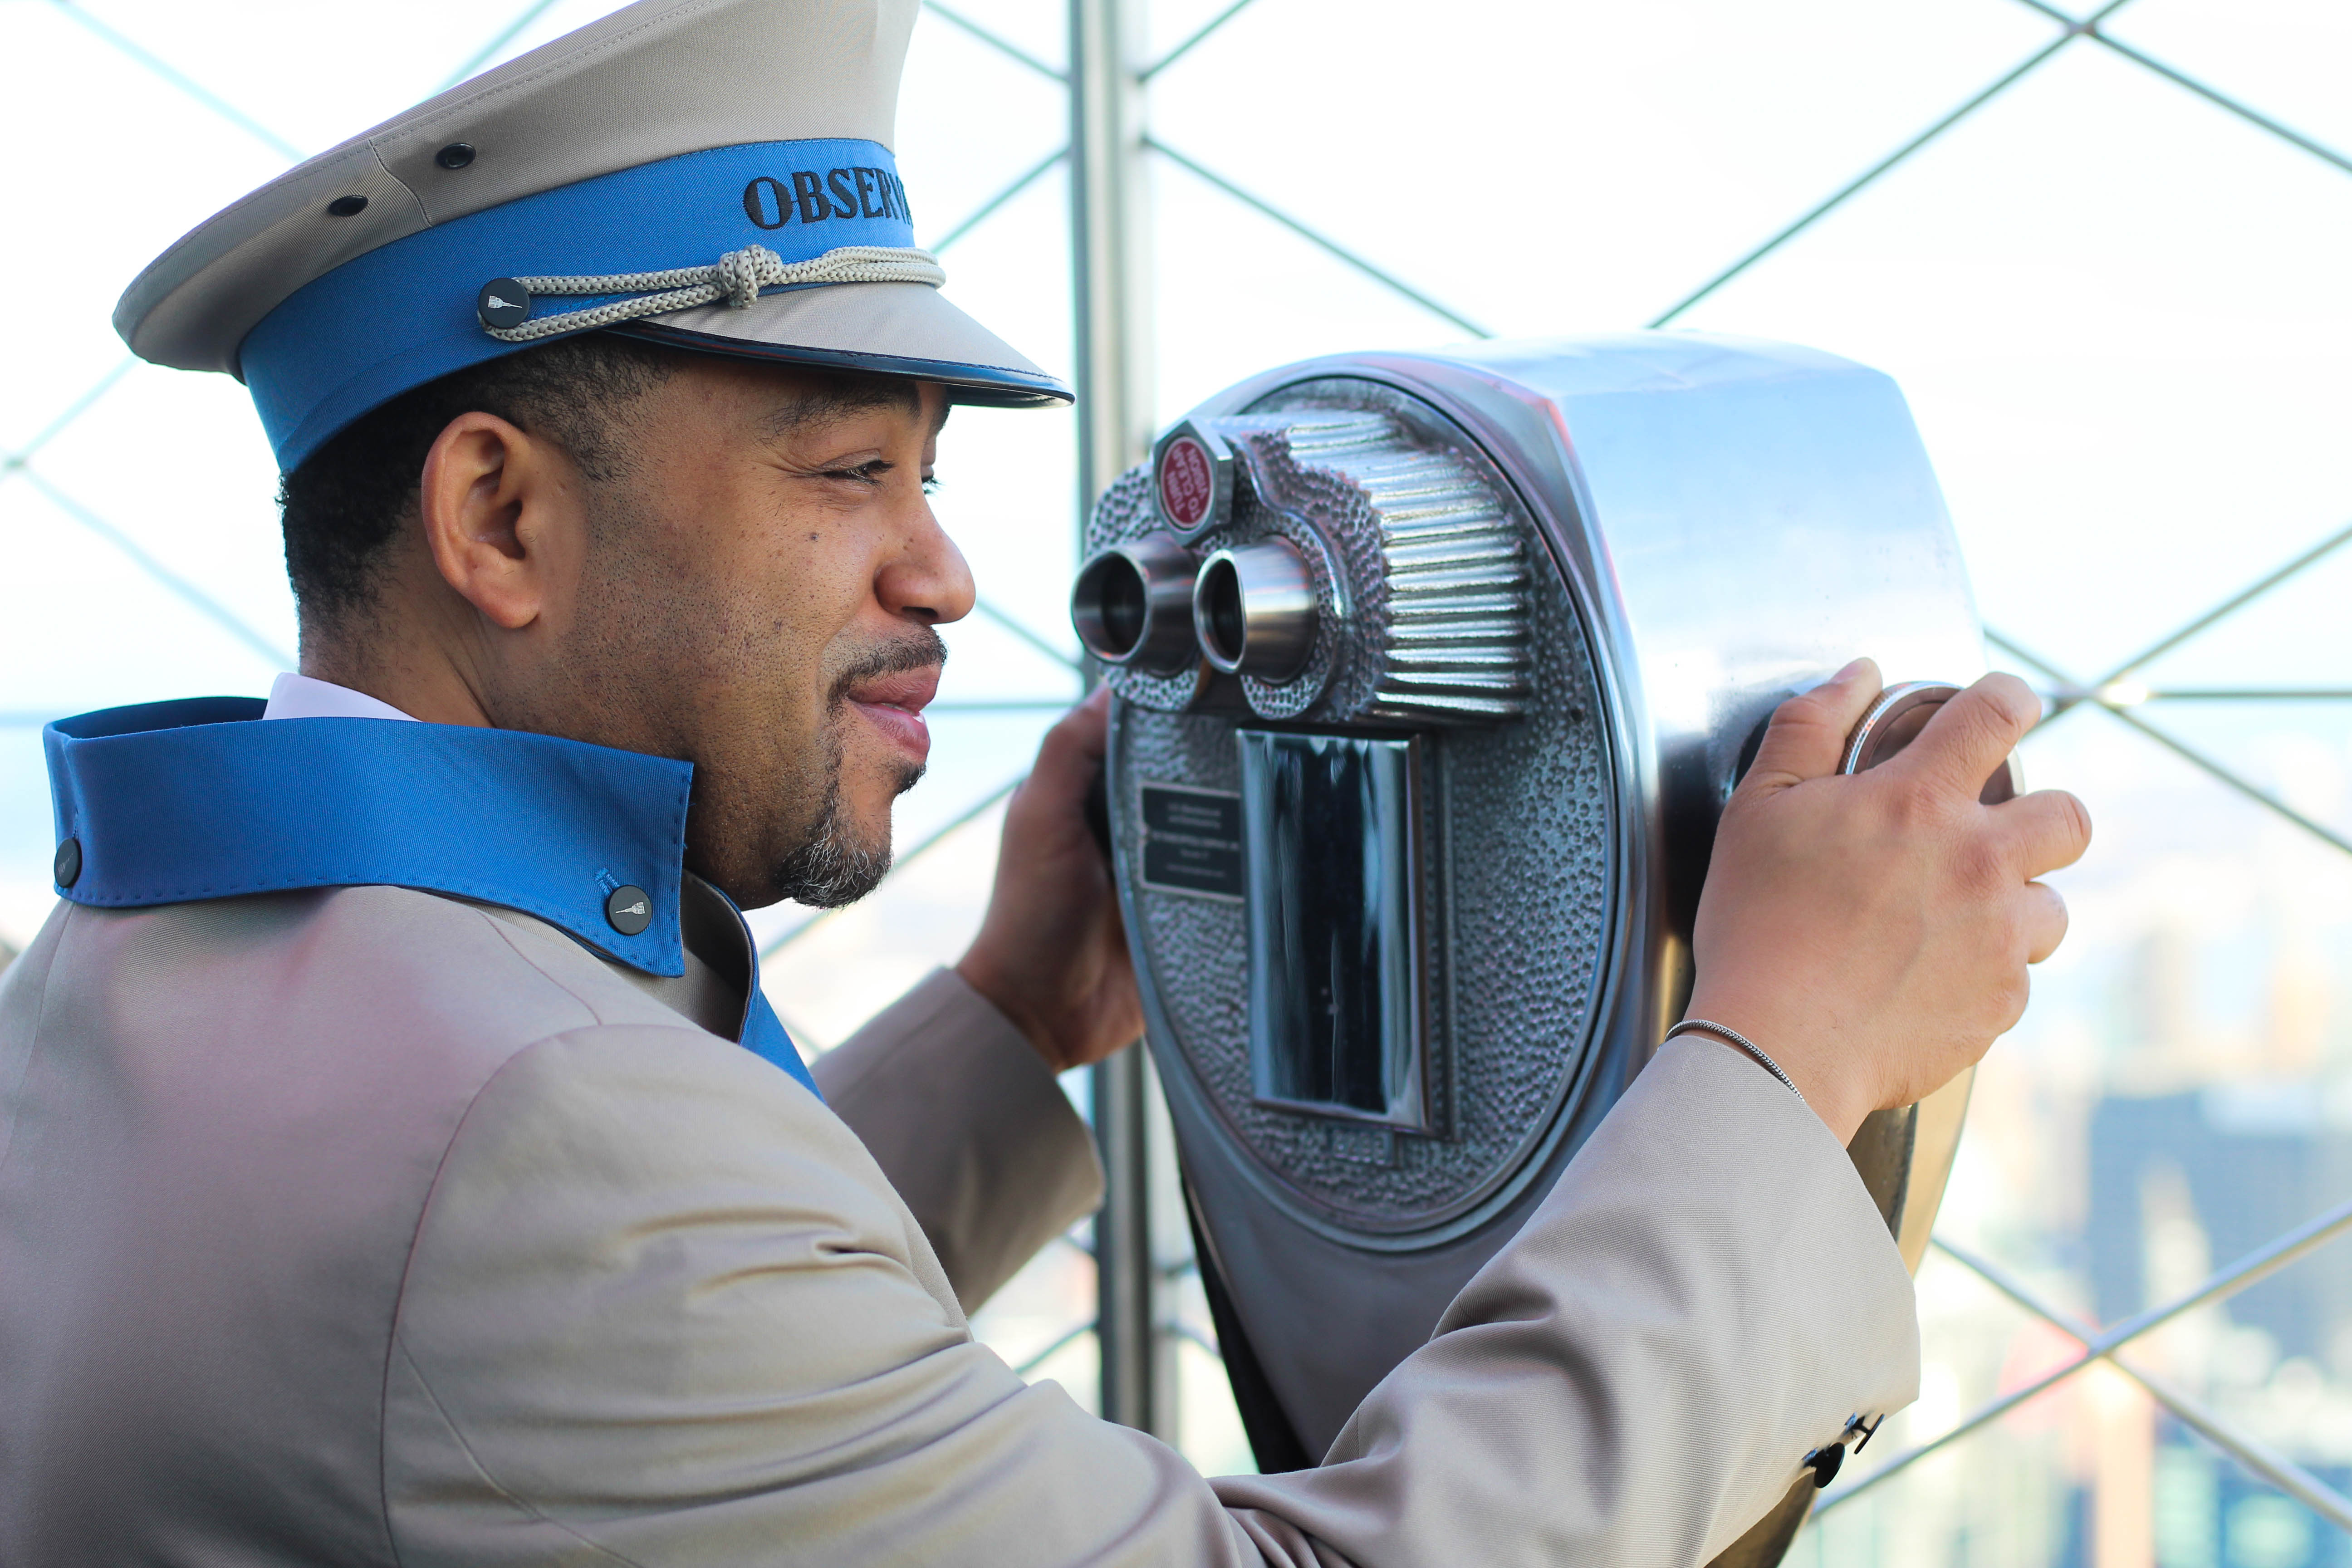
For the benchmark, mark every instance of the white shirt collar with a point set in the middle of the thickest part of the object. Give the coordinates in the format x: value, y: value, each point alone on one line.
x: 300, y: 696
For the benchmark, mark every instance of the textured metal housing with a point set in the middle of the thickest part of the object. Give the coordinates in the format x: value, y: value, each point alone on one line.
x: 1418, y: 551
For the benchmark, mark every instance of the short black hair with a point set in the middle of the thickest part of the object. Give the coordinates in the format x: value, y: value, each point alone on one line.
x: 342, y: 506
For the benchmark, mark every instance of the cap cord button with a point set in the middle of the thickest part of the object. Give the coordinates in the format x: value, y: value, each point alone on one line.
x: 455, y: 155
x: 347, y: 207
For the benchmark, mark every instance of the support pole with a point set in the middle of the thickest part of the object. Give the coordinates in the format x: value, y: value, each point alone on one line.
x: 1110, y: 300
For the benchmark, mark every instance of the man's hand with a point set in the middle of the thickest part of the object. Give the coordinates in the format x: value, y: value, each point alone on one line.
x: 1872, y: 933
x: 1052, y: 953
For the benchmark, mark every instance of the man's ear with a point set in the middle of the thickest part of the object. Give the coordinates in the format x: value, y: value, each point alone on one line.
x: 501, y: 512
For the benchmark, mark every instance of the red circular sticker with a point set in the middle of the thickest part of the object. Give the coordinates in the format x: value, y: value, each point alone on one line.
x: 1187, y: 483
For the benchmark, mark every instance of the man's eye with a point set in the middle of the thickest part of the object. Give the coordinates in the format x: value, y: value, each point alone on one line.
x: 931, y: 484
x: 865, y: 473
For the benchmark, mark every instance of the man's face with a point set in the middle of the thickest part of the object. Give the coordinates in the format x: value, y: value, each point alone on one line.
x: 756, y: 596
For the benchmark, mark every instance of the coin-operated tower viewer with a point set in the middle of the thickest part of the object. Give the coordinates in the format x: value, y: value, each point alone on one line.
x: 1434, y: 671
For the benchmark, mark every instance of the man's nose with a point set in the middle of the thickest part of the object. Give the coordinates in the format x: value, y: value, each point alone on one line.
x: 929, y: 579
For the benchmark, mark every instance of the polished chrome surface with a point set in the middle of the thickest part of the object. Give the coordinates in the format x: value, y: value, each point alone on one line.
x: 1132, y: 603
x: 1331, y: 841
x: 1253, y: 610
x: 1660, y: 538
x: 1895, y: 719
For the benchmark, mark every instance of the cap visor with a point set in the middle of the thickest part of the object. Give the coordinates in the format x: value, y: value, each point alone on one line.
x: 881, y: 329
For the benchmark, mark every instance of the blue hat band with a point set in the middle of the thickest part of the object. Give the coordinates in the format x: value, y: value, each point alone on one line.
x: 405, y: 313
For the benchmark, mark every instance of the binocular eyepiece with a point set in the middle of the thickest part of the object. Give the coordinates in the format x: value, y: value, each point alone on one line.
x: 1132, y: 604
x: 1150, y: 604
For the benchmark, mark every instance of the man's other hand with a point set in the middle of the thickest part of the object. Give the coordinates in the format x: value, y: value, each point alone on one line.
x: 1052, y: 953
x: 1872, y: 933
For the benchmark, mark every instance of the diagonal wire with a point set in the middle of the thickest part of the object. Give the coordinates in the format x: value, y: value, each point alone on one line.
x: 181, y: 79
x: 2247, y: 1271
x: 1198, y: 35
x: 2072, y: 694
x: 2248, y: 694
x: 899, y: 862
x: 499, y: 40
x: 2011, y: 647
x: 203, y: 603
x: 1015, y: 705
x: 2214, y: 96
x: 211, y: 101
x: 986, y: 209
x: 1855, y: 186
x: 2310, y: 557
x: 2075, y: 29
x: 1013, y: 625
x: 1333, y: 247
x: 2320, y: 150
x: 1043, y: 1356
x: 2258, y: 795
x: 2246, y: 1448
x: 72, y: 411
x: 1191, y: 1335
x: 1003, y: 45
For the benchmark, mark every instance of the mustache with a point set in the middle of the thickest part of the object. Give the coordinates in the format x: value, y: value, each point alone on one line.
x: 921, y: 649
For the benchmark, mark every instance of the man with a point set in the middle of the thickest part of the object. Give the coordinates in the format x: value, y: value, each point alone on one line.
x: 398, y: 1161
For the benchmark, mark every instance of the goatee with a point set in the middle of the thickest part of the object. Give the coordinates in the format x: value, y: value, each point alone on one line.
x: 831, y: 868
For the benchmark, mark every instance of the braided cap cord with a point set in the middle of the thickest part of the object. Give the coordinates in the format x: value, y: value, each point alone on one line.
x: 736, y: 277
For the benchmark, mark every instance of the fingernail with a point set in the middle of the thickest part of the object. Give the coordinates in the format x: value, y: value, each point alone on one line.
x: 1849, y: 672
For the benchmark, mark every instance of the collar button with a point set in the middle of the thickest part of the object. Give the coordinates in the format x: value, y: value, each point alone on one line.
x: 630, y: 910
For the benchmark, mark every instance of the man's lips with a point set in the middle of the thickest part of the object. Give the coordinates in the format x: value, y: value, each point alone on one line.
x: 894, y: 704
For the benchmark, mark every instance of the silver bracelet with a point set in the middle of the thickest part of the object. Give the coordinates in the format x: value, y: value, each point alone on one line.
x: 1735, y: 1038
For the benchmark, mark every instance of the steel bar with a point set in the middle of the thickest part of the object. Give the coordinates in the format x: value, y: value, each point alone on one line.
x: 181, y: 79
x: 2244, y: 1447
x: 1329, y: 246
x: 2230, y: 606
x: 72, y: 411
x: 498, y: 40
x: 1126, y: 1287
x: 1002, y: 44
x: 987, y: 209
x: 2247, y: 1271
x: 196, y: 598
x: 923, y: 847
x: 1197, y: 36
x: 1111, y: 321
x: 1014, y: 625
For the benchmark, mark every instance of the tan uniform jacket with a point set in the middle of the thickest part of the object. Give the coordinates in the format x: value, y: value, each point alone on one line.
x: 367, y: 1226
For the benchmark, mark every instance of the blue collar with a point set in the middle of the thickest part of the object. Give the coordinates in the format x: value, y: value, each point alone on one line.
x: 173, y: 801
